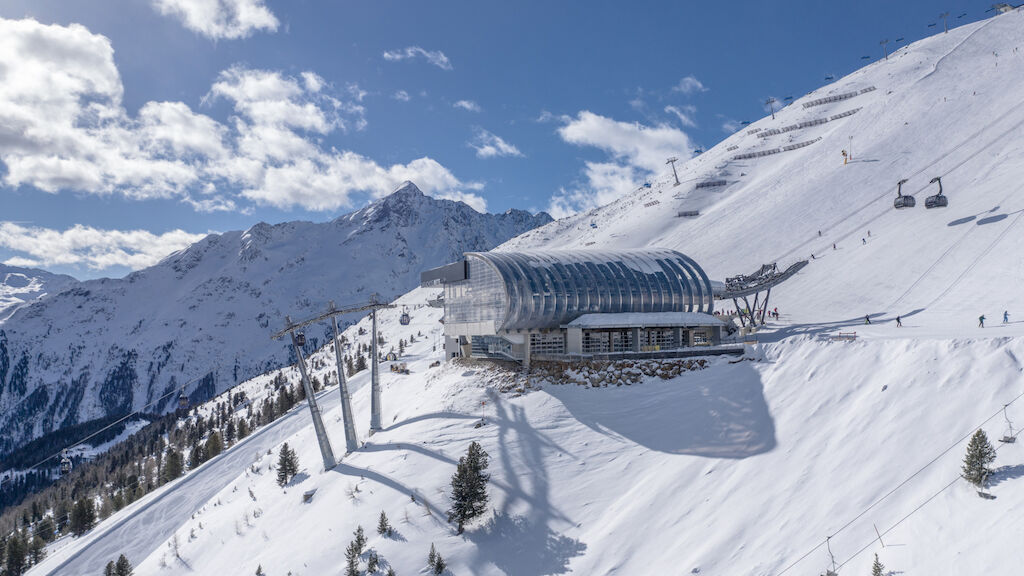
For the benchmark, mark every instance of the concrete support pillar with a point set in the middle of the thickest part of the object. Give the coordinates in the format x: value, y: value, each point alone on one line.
x: 526, y: 352
x: 374, y: 379
x: 314, y: 409
x: 689, y: 337
x: 351, y: 441
x: 677, y: 337
x: 635, y: 333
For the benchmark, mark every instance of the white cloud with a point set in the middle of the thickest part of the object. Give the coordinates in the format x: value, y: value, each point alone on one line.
x: 637, y: 152
x: 63, y: 127
x: 684, y: 114
x: 689, y: 85
x: 216, y: 19
x: 436, y: 57
x: 467, y: 105
x: 490, y: 145
x: 91, y: 247
x: 401, y: 96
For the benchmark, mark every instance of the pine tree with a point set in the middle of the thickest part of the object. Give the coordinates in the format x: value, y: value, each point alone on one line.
x: 352, y: 560
x: 44, y: 530
x: 876, y: 568
x: 214, y: 445
x: 287, y: 465
x: 383, y: 527
x: 432, y: 556
x: 173, y: 466
x: 83, y: 516
x: 123, y: 566
x: 229, y: 432
x: 360, y: 363
x: 980, y: 454
x: 243, y: 428
x: 469, y: 487
x: 371, y: 562
x: 15, y: 556
x: 360, y: 540
x: 111, y: 569
x: 259, y: 570
x: 439, y: 564
x: 36, y: 549
x: 391, y: 572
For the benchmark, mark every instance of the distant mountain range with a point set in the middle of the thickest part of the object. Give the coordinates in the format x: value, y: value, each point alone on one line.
x: 104, y: 347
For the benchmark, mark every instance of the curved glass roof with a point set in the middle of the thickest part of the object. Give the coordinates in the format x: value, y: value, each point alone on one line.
x: 546, y: 289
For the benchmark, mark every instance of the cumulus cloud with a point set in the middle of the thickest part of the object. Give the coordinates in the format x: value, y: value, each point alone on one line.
x: 490, y: 145
x: 689, y: 85
x: 217, y: 19
x: 467, y: 105
x: 63, y: 126
x: 636, y: 151
x: 436, y: 57
x: 91, y: 247
x: 401, y: 96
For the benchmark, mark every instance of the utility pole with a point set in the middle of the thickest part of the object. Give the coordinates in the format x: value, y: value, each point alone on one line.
x: 673, y: 161
x: 314, y: 409
x: 945, y: 28
x: 351, y: 441
x: 885, y: 50
x: 374, y: 375
x: 771, y: 105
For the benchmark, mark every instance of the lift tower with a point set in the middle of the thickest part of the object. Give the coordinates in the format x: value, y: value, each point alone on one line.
x: 314, y: 409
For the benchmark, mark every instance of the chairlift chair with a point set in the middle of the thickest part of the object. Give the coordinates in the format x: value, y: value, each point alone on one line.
x: 1009, y: 437
x: 300, y: 338
x: 404, y: 319
x: 902, y: 201
x: 65, y: 463
x: 937, y: 201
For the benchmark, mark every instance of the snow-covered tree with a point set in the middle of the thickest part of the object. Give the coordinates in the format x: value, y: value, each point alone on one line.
x: 360, y: 540
x: 980, y: 454
x: 287, y: 465
x: 469, y: 487
x: 383, y: 526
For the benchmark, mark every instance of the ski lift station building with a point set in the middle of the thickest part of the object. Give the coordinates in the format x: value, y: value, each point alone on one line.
x: 564, y: 305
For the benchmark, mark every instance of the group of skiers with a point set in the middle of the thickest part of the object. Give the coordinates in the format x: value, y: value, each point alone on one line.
x: 981, y: 319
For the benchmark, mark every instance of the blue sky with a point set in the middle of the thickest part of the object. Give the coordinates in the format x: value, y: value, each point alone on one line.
x: 135, y: 126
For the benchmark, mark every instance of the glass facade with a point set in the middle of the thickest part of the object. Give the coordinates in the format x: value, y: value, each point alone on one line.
x: 535, y: 290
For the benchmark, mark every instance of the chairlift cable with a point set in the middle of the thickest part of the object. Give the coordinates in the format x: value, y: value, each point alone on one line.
x: 901, y: 484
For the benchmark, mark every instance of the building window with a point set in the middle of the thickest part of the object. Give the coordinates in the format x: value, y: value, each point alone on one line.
x: 550, y: 343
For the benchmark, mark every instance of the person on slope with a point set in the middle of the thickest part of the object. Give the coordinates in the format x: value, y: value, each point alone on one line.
x: 867, y: 319
x: 981, y: 321
x: 863, y: 241
x: 1006, y: 317
x: 899, y: 322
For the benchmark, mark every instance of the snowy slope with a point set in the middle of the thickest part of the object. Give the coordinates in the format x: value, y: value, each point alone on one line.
x: 736, y: 469
x: 740, y: 468
x: 951, y: 105
x: 21, y: 285
x: 109, y: 346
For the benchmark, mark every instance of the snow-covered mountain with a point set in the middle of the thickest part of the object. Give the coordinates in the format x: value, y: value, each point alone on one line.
x: 21, y: 285
x: 105, y: 346
x: 809, y: 454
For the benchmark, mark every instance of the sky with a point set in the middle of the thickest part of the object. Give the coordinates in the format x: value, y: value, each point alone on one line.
x: 131, y: 128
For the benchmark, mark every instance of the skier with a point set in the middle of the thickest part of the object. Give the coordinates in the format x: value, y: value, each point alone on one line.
x: 899, y: 322
x: 863, y: 241
x: 867, y: 319
x: 819, y: 233
x: 981, y: 321
x: 833, y: 246
x: 1006, y: 317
